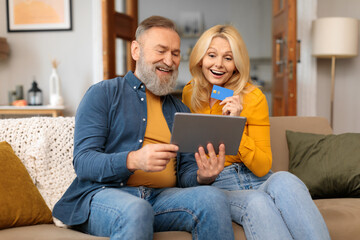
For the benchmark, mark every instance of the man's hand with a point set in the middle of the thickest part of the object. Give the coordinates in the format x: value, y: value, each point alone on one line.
x: 151, y: 157
x: 209, y: 167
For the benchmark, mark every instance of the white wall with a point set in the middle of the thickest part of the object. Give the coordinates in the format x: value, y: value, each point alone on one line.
x: 347, y: 82
x: 251, y: 18
x: 32, y: 52
x: 79, y: 50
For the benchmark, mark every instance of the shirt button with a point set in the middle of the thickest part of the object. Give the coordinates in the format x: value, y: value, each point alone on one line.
x: 140, y: 140
x: 142, y: 86
x: 102, y: 187
x: 144, y: 119
x: 134, y: 87
x: 121, y: 184
x: 142, y: 99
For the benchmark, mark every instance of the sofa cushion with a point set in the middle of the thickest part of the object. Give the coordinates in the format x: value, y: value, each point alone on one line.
x: 45, y: 232
x: 278, y: 127
x: 45, y: 147
x: 20, y: 201
x: 327, y: 164
x: 50, y: 232
x: 342, y: 217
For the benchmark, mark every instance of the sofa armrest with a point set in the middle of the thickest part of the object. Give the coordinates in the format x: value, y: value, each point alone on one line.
x: 278, y: 127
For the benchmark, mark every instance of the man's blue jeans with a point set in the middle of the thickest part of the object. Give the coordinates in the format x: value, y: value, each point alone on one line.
x: 136, y: 212
x: 276, y: 206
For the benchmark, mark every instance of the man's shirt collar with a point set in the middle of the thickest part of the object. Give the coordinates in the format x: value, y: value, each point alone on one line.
x: 134, y: 82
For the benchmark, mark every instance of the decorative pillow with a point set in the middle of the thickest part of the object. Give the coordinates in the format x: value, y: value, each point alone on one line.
x: 329, y: 165
x: 20, y: 201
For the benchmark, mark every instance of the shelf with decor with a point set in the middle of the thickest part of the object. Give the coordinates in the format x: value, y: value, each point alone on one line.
x: 32, y: 110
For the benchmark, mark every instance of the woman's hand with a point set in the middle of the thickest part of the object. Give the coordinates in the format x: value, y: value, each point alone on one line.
x: 209, y: 167
x: 231, y: 106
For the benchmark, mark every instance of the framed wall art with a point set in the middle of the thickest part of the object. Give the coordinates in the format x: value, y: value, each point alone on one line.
x: 38, y: 15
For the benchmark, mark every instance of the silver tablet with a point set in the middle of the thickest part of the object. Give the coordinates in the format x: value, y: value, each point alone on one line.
x: 192, y: 130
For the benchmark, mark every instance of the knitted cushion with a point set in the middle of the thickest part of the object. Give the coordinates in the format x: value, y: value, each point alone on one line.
x: 45, y: 146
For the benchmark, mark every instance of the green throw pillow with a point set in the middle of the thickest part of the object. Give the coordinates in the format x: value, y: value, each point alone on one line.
x: 21, y: 203
x: 329, y: 165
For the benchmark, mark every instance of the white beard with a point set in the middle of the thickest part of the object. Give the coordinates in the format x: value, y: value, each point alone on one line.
x: 147, y: 74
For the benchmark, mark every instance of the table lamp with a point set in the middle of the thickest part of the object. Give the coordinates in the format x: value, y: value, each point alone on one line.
x: 335, y: 37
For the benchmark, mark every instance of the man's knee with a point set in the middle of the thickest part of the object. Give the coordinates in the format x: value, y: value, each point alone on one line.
x: 140, y: 210
x: 133, y: 221
x: 211, y: 198
x: 210, y: 193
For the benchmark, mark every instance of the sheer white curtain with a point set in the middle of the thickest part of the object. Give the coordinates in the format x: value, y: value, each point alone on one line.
x: 97, y: 41
x: 306, y: 69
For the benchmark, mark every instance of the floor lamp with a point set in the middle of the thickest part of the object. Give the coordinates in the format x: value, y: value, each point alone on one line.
x: 335, y: 37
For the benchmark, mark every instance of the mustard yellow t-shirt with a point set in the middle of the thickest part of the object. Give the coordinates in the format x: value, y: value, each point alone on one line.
x: 254, y: 150
x: 157, y: 131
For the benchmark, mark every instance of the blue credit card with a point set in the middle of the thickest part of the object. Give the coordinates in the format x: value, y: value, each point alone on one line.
x: 221, y: 93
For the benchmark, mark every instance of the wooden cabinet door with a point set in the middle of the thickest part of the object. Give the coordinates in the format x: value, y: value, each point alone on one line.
x: 118, y: 32
x: 284, y: 58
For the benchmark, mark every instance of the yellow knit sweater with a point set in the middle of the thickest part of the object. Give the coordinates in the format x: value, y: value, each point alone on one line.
x: 254, y: 150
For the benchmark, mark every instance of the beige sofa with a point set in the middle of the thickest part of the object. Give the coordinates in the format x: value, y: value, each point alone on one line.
x: 342, y: 216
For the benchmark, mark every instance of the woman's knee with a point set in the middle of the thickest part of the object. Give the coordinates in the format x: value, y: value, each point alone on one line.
x: 250, y: 205
x: 257, y: 201
x: 285, y: 183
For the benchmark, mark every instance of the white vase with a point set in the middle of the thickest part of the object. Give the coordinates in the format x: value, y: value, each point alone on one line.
x: 55, y: 96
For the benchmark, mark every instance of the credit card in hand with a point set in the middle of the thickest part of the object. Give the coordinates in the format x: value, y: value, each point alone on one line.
x: 221, y: 93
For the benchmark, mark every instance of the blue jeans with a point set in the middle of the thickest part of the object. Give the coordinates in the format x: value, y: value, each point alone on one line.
x: 136, y: 212
x: 276, y: 206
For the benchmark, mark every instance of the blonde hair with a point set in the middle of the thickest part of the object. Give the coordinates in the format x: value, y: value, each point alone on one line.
x: 238, y: 81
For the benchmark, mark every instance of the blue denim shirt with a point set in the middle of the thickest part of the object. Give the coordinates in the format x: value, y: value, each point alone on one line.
x: 110, y: 122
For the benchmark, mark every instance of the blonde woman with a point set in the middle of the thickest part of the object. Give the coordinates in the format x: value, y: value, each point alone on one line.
x: 267, y: 205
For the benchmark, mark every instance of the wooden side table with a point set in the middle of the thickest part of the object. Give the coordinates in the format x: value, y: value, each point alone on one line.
x: 32, y: 110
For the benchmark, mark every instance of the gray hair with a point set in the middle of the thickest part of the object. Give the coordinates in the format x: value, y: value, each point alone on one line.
x: 154, y: 21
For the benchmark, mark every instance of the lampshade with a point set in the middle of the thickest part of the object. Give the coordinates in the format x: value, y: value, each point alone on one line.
x: 335, y: 36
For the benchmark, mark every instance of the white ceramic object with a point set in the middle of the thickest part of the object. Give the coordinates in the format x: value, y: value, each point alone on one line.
x: 55, y: 95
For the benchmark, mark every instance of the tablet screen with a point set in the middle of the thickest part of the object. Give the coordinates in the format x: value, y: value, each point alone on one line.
x: 192, y: 130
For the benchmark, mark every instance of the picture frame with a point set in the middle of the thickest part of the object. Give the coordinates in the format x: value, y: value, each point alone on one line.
x: 39, y: 15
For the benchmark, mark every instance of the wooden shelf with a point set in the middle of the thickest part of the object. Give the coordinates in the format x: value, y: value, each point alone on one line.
x: 32, y: 110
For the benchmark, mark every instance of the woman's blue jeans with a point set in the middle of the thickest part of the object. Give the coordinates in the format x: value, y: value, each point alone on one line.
x: 136, y: 212
x: 276, y: 206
